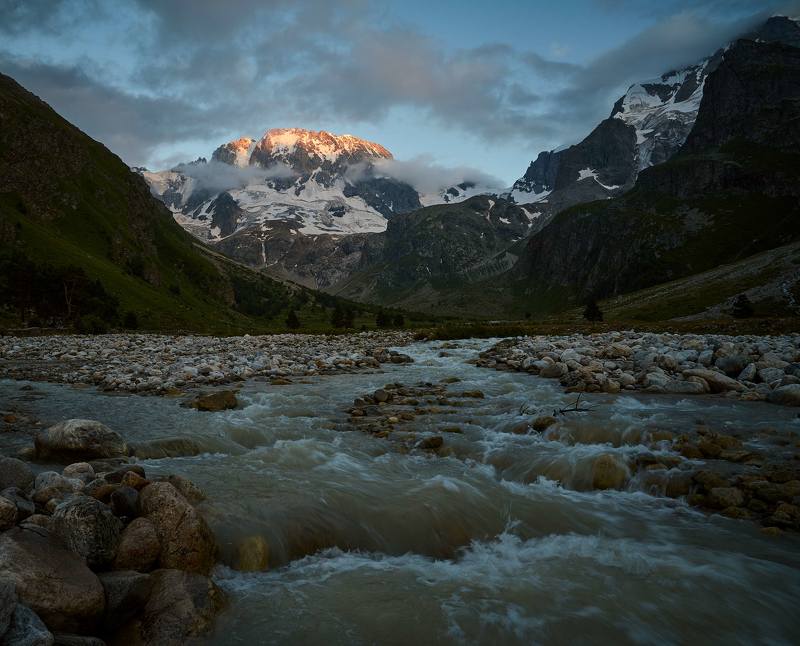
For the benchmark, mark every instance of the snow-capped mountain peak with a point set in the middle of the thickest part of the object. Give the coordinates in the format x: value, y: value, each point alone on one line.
x: 236, y: 152
x: 320, y: 144
x: 663, y: 110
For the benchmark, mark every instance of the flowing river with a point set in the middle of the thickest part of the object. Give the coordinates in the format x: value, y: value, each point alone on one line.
x: 503, y: 541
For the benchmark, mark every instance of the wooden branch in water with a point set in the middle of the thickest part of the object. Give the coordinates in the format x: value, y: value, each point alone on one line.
x: 575, y: 408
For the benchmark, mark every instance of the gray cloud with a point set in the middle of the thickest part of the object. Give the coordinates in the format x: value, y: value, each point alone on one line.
x: 129, y: 125
x: 219, y: 69
x: 424, y: 174
x: 218, y: 176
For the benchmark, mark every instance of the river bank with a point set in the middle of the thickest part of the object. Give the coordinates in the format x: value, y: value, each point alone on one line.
x: 158, y: 364
x: 491, y: 522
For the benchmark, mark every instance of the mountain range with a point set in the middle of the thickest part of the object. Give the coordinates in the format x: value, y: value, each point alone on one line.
x: 691, y: 170
x: 84, y: 244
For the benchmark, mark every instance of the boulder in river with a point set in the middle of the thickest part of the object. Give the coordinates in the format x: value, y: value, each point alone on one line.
x: 8, y: 514
x: 8, y: 601
x: 718, y: 382
x: 26, y: 629
x: 186, y: 540
x: 216, y: 401
x: 15, y: 473
x: 182, y: 606
x: 55, y: 582
x: 166, y: 447
x: 79, y: 439
x: 543, y: 423
x: 125, y: 502
x: 51, y: 485
x: 126, y: 593
x: 89, y: 528
x: 138, y: 547
x: 607, y: 473
x: 786, y: 395
x: 252, y: 554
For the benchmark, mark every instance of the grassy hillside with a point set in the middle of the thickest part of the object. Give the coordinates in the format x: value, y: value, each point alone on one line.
x: 84, y: 245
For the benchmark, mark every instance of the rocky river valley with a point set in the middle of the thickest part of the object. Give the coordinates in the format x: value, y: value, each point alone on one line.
x: 619, y: 488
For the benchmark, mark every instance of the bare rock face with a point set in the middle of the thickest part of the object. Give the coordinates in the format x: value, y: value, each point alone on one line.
x: 89, y: 528
x: 182, y: 605
x: 139, y: 547
x: 79, y: 439
x: 186, y: 540
x: 53, y: 581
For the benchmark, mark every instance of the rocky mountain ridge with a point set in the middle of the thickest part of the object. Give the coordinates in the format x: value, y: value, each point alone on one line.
x: 730, y: 192
x: 647, y: 126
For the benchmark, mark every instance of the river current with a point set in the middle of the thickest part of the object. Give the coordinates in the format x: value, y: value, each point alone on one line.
x: 503, y: 541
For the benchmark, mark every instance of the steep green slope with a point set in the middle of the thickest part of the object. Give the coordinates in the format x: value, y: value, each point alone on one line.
x: 83, y: 242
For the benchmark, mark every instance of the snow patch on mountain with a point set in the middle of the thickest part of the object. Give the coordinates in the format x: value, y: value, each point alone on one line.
x: 662, y: 111
x: 522, y: 196
x: 590, y: 173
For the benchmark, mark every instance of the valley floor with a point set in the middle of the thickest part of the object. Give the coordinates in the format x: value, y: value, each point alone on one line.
x: 480, y: 486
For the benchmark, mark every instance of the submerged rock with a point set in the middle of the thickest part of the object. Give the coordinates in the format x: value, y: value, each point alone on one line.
x: 607, y: 473
x: 217, y: 401
x: 79, y: 439
x: 167, y: 447
x: 252, y: 555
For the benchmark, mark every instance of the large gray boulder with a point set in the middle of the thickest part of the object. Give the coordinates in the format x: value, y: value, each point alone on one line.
x: 89, y: 528
x: 15, y: 473
x: 55, y: 582
x: 186, y: 540
x: 76, y: 440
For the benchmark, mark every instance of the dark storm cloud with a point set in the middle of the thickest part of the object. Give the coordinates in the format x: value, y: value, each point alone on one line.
x: 207, y: 68
x: 128, y: 125
x: 674, y: 42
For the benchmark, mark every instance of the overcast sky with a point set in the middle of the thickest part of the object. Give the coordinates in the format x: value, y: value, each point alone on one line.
x: 456, y: 82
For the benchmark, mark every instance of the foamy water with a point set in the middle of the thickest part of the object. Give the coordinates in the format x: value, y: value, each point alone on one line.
x: 504, y: 541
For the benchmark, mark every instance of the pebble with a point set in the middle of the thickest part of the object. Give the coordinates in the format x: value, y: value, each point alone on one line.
x: 751, y: 368
x: 161, y: 364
